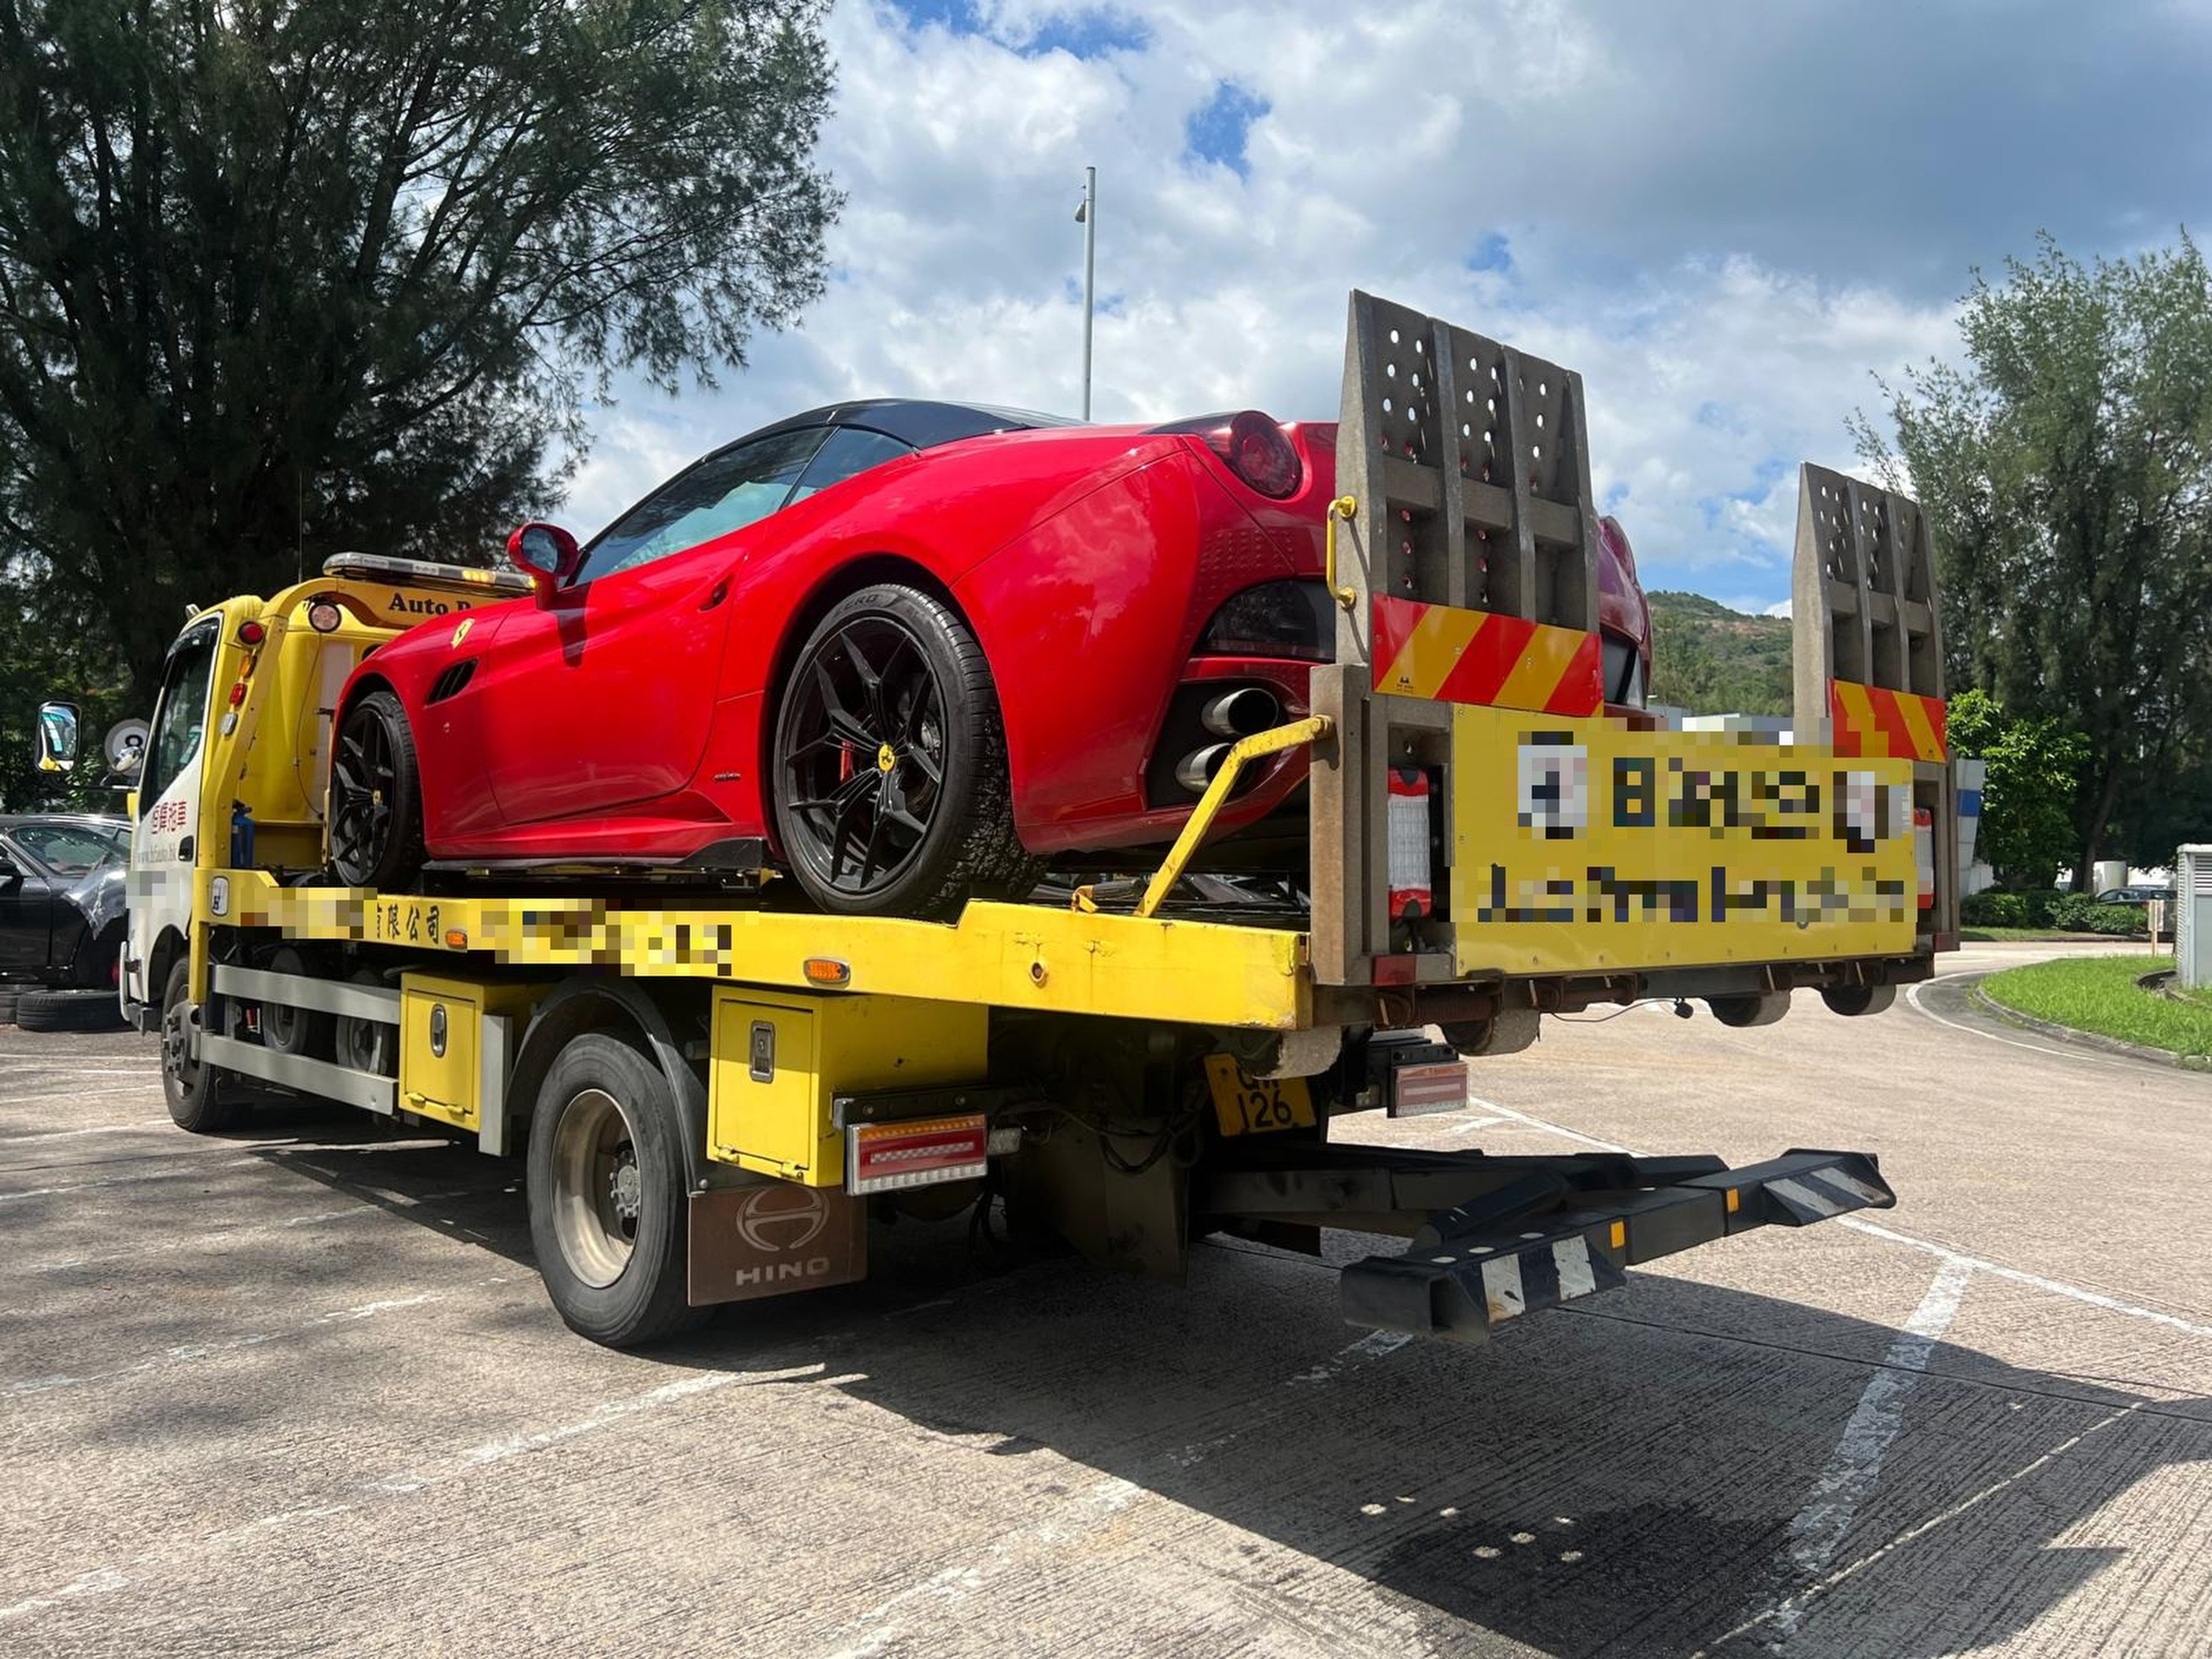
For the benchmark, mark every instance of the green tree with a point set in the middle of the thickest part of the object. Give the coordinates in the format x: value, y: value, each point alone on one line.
x: 2067, y: 465
x: 284, y: 275
x: 2034, y: 772
x: 1713, y: 661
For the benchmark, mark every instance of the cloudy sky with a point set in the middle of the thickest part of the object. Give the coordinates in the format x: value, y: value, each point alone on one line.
x: 1728, y: 214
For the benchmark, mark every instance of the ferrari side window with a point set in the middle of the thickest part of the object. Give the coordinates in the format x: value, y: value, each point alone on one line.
x: 725, y: 492
x: 851, y: 450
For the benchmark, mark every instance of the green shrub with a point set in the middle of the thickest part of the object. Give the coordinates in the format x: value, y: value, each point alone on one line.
x: 2042, y: 905
x: 1993, y: 908
x: 2079, y: 914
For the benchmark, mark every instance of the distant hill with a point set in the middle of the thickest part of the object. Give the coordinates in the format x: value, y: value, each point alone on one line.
x: 1712, y: 660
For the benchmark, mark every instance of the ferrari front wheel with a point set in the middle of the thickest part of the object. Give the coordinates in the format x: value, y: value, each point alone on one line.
x: 376, y: 796
x: 890, y: 784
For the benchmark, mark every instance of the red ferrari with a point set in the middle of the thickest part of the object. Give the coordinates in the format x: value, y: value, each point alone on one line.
x: 908, y: 652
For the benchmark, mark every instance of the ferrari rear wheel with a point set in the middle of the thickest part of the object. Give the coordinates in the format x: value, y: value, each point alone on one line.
x: 891, y: 793
x: 376, y: 796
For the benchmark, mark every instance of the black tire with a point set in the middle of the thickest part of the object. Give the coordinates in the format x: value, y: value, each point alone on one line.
x: 376, y: 798
x: 289, y: 1030
x: 1748, y: 1011
x: 366, y: 1045
x: 196, y: 1092
x: 7, y: 1007
x: 67, y: 1010
x: 889, y: 781
x: 608, y: 1206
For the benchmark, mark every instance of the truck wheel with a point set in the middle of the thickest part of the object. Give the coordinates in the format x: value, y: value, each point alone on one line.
x: 289, y: 1030
x: 67, y: 1010
x: 7, y: 1007
x: 608, y: 1207
x: 367, y: 1045
x: 890, y: 787
x: 376, y: 796
x: 194, y: 1090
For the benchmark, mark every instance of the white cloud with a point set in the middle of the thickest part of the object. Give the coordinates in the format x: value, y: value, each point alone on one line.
x: 1674, y: 224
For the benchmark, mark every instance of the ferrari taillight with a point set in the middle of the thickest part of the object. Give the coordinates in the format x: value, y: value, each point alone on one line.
x: 1255, y: 450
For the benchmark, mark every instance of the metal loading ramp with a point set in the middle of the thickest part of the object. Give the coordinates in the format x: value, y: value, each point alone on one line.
x: 1493, y: 1238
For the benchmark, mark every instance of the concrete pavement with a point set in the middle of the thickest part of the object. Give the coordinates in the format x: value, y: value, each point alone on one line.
x: 298, y: 1390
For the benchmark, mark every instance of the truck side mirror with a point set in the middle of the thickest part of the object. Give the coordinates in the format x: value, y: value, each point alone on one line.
x: 57, y: 737
x: 545, y: 553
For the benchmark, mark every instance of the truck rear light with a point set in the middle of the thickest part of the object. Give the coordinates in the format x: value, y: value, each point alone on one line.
x: 882, y: 1157
x: 1436, y: 1086
x: 1412, y: 893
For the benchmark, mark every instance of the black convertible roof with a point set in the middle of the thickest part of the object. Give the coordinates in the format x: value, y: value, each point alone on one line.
x: 916, y: 421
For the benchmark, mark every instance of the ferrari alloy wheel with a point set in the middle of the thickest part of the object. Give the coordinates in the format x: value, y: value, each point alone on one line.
x: 891, y: 795
x: 376, y: 794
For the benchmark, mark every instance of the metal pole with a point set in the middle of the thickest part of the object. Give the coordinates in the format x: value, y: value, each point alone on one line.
x: 1090, y: 272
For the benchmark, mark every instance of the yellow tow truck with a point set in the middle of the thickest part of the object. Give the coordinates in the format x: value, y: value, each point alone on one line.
x: 714, y: 1092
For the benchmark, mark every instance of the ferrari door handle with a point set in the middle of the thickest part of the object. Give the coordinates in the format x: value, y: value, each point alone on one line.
x: 722, y: 591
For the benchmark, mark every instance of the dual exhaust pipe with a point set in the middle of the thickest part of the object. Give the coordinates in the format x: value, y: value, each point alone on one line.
x: 1230, y: 714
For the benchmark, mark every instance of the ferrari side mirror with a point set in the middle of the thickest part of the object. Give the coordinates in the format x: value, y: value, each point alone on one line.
x: 545, y: 553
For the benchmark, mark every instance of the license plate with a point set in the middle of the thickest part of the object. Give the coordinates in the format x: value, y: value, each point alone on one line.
x: 1256, y: 1106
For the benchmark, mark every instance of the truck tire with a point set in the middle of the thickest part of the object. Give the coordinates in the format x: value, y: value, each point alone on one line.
x: 367, y: 1045
x: 67, y: 1010
x: 609, y: 1210
x: 194, y: 1092
x: 289, y: 1030
x: 7, y: 1007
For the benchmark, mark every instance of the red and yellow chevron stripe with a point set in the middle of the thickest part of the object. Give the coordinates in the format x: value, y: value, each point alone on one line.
x: 1451, y: 655
x: 1869, y: 720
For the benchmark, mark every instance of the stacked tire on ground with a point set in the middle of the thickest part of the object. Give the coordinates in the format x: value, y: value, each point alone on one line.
x: 62, y: 1010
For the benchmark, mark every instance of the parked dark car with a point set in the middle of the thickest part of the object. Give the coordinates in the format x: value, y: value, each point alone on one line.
x: 2134, y: 894
x: 61, y: 910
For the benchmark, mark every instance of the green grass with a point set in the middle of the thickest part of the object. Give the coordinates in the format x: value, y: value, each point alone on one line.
x: 1992, y: 935
x: 2099, y: 994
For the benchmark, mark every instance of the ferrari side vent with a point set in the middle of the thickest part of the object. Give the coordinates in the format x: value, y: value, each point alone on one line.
x: 450, y: 682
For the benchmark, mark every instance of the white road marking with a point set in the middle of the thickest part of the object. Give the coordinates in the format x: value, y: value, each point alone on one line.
x: 351, y: 1212
x: 197, y: 1168
x: 2056, y: 1287
x: 1562, y: 1131
x: 1468, y: 1126
x: 1854, y: 1468
x: 63, y: 1094
x: 108, y: 1579
x: 1790, y: 1611
x: 187, y: 1353
x: 1998, y: 1270
x: 2062, y: 1051
x: 877, y: 1629
x: 1373, y: 1346
x: 143, y: 1126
